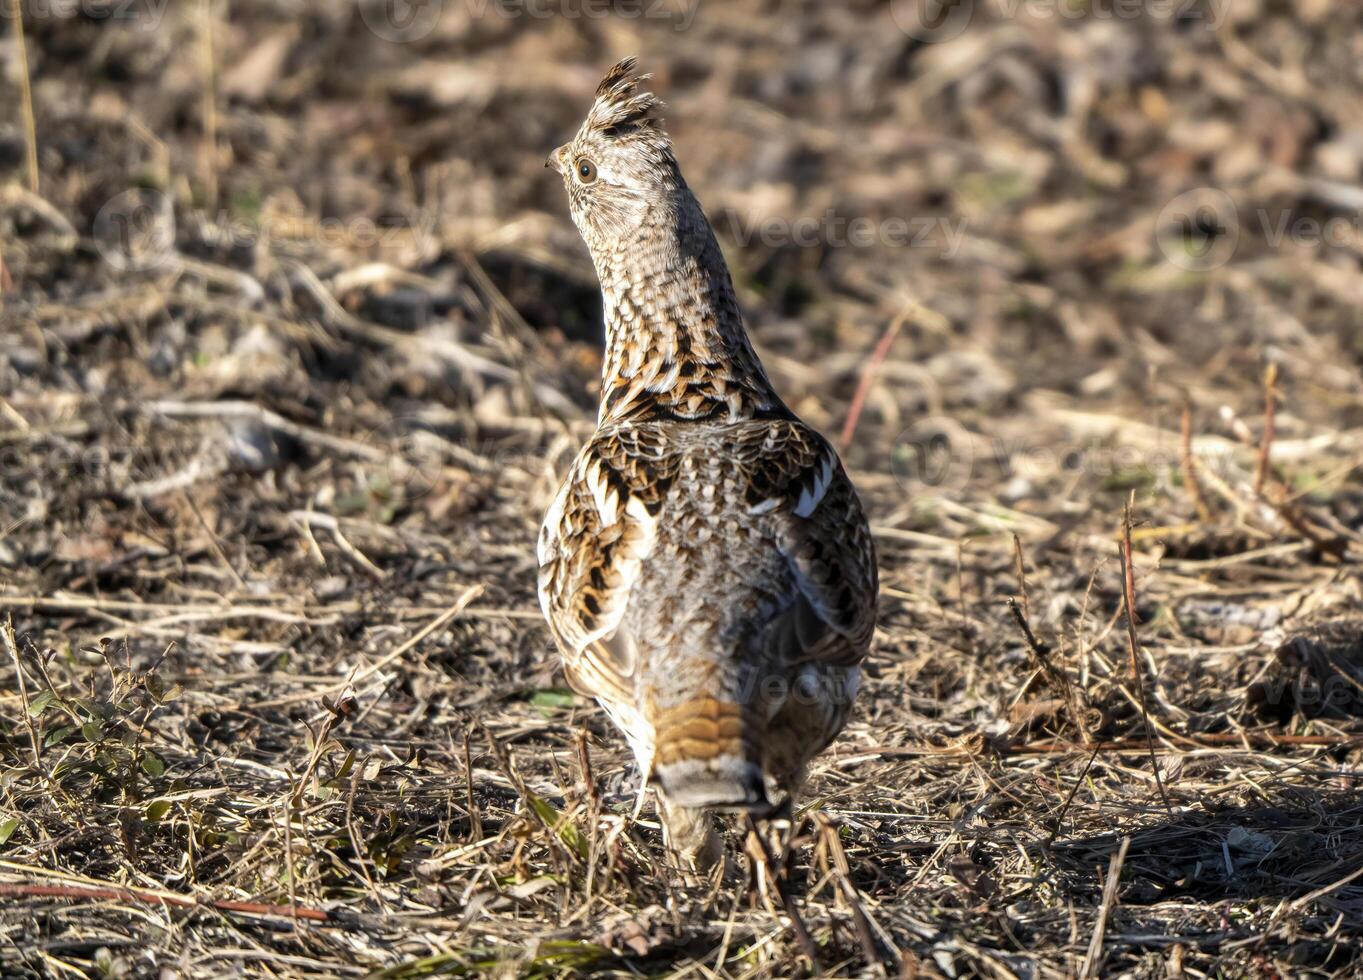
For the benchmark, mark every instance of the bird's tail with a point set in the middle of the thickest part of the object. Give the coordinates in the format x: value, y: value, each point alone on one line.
x: 707, y: 754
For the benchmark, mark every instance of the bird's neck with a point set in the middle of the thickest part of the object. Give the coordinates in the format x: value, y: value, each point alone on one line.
x: 675, y: 343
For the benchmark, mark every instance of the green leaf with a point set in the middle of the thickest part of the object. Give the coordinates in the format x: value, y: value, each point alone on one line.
x: 351, y: 503
x: 159, y: 692
x: 7, y: 828
x: 152, y: 765
x: 157, y: 809
x: 93, y: 731
x: 1130, y: 478
x: 58, y: 735
x: 556, y: 957
x: 41, y: 703
x: 462, y: 962
x: 553, y: 697
x: 565, y: 828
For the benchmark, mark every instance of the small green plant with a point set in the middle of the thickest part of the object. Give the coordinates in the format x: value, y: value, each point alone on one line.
x: 86, y: 743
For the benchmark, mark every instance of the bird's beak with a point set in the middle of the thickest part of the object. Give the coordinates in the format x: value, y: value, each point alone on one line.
x: 556, y: 159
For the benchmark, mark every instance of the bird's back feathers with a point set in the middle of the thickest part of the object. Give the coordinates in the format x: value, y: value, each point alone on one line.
x: 706, y: 569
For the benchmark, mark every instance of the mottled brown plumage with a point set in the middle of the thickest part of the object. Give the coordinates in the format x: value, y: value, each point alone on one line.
x: 705, y: 569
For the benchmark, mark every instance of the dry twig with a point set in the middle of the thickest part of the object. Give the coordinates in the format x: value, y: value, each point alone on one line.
x: 1129, y: 605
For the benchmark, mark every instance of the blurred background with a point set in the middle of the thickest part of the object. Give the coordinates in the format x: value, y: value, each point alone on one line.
x: 296, y: 338
x: 1135, y: 202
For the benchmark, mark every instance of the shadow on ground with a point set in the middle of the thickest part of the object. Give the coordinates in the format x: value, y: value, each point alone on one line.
x: 1282, y: 847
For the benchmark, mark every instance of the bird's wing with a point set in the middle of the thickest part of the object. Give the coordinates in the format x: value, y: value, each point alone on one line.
x: 595, y: 538
x: 797, y: 480
x: 602, y: 527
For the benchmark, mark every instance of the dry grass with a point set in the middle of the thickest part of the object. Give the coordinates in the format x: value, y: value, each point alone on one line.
x: 277, y: 698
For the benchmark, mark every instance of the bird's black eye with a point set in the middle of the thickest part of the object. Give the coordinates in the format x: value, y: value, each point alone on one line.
x: 586, y: 171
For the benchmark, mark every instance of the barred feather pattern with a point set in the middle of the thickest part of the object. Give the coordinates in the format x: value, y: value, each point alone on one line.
x: 706, y: 569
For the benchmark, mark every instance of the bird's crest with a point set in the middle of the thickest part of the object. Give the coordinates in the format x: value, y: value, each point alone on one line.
x: 620, y: 108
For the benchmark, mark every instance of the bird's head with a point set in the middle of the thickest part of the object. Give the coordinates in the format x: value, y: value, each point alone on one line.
x: 619, y: 167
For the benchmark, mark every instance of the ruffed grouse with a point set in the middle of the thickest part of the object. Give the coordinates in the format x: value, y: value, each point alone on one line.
x: 706, y: 569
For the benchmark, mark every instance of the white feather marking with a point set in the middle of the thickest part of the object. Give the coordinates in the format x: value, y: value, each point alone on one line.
x: 765, y: 506
x: 643, y: 530
x: 811, y: 497
x: 648, y: 524
x: 853, y: 684
x: 668, y: 381
x: 639, y: 734
x: 635, y: 363
x: 549, y: 530
x: 546, y: 599
x: 606, y: 498
x: 607, y: 627
x: 735, y: 403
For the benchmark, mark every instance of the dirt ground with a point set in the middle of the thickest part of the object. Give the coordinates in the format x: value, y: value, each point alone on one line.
x: 297, y: 338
